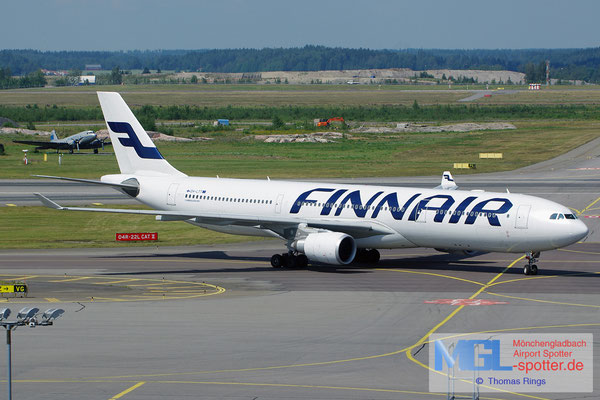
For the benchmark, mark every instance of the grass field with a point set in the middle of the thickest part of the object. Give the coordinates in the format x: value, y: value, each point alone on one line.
x: 231, y: 154
x: 231, y: 96
x: 283, y: 95
x: 40, y: 227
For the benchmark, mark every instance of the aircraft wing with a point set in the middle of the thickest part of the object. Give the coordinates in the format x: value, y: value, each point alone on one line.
x: 44, y: 145
x: 277, y: 224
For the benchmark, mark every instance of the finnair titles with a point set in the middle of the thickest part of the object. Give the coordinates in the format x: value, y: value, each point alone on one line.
x: 330, y: 223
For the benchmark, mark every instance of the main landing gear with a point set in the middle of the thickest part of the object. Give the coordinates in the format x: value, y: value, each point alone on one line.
x: 297, y: 260
x: 289, y: 260
x: 371, y: 256
x: 531, y: 268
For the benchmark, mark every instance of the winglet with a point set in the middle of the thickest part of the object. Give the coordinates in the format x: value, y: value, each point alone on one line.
x: 47, y: 202
x: 447, y: 182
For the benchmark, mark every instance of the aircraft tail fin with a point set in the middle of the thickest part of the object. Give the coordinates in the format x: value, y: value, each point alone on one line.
x: 53, y: 136
x: 447, y: 182
x: 135, y: 151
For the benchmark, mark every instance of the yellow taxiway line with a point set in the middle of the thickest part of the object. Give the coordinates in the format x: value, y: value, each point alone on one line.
x: 128, y: 390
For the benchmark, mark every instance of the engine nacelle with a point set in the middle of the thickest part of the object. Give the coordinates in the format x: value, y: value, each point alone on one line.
x: 328, y: 247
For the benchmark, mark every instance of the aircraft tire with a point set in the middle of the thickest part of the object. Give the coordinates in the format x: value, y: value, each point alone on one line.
x: 530, y: 269
x: 301, y: 261
x: 289, y: 261
x: 373, y: 256
x: 534, y: 269
x: 277, y: 261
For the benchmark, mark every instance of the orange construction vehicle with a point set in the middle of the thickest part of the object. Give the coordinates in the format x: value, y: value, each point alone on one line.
x: 326, y: 122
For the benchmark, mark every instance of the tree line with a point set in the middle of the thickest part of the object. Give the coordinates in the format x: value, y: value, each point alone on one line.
x: 33, y: 79
x: 415, y: 112
x: 582, y: 64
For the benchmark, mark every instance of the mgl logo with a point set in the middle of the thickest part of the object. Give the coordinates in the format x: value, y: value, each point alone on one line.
x: 472, y: 355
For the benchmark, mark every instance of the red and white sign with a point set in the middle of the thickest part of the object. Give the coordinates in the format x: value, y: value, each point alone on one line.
x: 465, y: 302
x: 123, y: 237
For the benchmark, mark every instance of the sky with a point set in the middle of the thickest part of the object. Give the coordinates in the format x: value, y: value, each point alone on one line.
x: 375, y: 24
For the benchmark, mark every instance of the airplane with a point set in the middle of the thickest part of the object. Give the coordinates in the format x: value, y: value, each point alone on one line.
x: 81, y: 140
x: 324, y: 222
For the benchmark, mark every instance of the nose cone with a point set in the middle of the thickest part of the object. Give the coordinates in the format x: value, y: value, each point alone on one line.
x: 576, y: 231
x: 579, y: 231
x: 568, y: 233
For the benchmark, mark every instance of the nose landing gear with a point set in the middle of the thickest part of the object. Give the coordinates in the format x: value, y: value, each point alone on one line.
x: 531, y: 268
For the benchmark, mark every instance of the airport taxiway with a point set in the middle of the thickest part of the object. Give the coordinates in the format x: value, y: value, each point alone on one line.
x: 219, y: 322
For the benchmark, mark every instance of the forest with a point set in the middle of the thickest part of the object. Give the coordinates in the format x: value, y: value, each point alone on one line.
x: 565, y: 64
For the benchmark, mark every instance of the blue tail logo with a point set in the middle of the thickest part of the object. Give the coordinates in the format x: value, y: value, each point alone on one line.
x: 133, y: 141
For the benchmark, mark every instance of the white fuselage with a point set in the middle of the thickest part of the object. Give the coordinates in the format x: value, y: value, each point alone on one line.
x: 443, y: 219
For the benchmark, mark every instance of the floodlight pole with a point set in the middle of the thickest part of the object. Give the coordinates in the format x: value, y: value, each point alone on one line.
x: 9, y: 326
x: 27, y: 318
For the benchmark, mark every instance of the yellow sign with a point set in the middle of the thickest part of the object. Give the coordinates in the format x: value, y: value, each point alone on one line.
x: 464, y: 166
x: 20, y: 288
x: 490, y: 155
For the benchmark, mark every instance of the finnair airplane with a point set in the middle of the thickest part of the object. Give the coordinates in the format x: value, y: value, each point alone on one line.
x: 330, y: 223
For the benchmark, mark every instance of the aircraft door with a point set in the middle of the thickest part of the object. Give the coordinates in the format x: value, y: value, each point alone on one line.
x: 278, y: 203
x: 172, y: 193
x: 522, y: 216
x: 422, y: 215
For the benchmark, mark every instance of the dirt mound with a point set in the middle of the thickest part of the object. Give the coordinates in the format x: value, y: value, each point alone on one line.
x: 317, y: 137
x: 402, y: 127
x: 354, y: 76
x: 12, y: 131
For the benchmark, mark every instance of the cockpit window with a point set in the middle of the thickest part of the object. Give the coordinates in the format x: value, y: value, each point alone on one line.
x: 563, y: 216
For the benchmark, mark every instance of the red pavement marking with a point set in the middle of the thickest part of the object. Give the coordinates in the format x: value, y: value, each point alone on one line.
x: 465, y: 302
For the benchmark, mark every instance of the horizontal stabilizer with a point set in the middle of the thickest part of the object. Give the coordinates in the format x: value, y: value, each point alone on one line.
x: 94, y: 182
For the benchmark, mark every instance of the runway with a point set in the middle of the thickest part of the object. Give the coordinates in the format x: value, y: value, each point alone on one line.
x: 217, y: 322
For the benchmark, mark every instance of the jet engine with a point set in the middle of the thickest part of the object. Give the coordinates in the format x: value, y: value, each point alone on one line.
x: 328, y: 247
